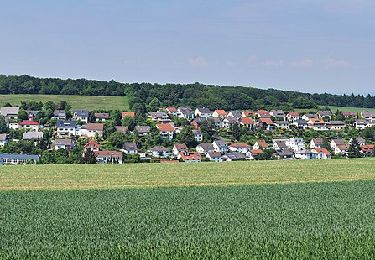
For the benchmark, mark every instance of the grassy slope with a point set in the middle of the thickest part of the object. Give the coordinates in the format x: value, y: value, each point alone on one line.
x: 294, y: 221
x: 77, y: 102
x: 61, y: 177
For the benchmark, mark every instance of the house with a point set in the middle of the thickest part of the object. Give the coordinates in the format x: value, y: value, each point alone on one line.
x: 263, y: 113
x: 179, y: 148
x: 198, y: 122
x: 91, y: 130
x: 203, y: 112
x: 316, y: 143
x: 282, y: 124
x: 235, y: 113
x: 160, y: 152
x: 127, y: 114
x: 129, y: 148
x: 10, y: 113
x: 293, y: 116
x: 122, y: 129
x: 166, y: 130
x: 260, y: 144
x: 185, y: 112
x: 248, y: 113
x: 300, y: 123
x: 6, y: 158
x: 81, y: 115
x: 3, y: 140
x: 367, y: 150
x: 307, y: 117
x: 317, y: 124
x: 101, y: 117
x: 161, y: 117
x: 349, y: 114
x: 339, y: 146
x: 66, y: 128
x: 229, y: 157
x: 63, y: 143
x: 215, y: 121
x: 214, y: 156
x: 59, y: 115
x: 321, y: 153
x: 171, y: 111
x: 219, y: 113
x: 296, y: 144
x: 92, y: 145
x: 255, y: 153
x: 220, y: 146
x: 285, y: 154
x: 142, y: 130
x: 362, y: 124
x: 279, y: 115
x: 29, y: 125
x: 204, y: 148
x: 32, y: 136
x: 228, y: 122
x: 198, y: 136
x: 336, y: 125
x: 239, y: 147
x: 368, y: 116
x: 247, y: 122
x: 108, y: 157
x: 325, y: 114
x: 189, y: 157
x: 280, y: 144
x: 305, y: 154
x: 360, y: 140
x: 265, y: 123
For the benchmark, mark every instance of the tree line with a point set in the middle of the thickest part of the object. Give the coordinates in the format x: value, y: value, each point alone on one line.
x: 145, y: 97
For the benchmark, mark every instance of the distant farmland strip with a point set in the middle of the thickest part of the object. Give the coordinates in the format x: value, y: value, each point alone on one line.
x: 77, y: 102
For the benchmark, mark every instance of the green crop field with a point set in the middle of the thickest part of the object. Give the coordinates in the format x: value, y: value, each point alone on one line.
x: 269, y: 209
x: 77, y: 102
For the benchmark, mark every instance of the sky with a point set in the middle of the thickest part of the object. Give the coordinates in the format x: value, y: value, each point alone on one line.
x: 306, y: 45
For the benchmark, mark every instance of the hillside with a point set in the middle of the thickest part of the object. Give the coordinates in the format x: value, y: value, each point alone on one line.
x: 144, y: 96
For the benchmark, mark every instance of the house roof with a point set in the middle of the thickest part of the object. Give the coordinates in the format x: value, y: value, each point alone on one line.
x: 159, y: 149
x: 101, y: 115
x: 266, y: 120
x: 127, y: 114
x: 29, y: 122
x: 185, y: 110
x: 247, y: 120
x: 122, y: 129
x: 339, y: 141
x: 19, y: 156
x: 235, y: 156
x: 349, y: 114
x: 204, y: 110
x: 32, y: 135
x: 171, y: 109
x: 293, y: 114
x: 322, y: 150
x: 67, y: 142
x: 221, y: 112
x: 3, y: 137
x: 180, y: 147
x: 263, y: 113
x: 220, y: 143
x: 239, y: 145
x: 248, y: 113
x: 108, y: 153
x: 190, y: 156
x: 213, y: 154
x: 94, y: 126
x: 130, y: 146
x: 81, y: 113
x: 324, y: 113
x: 59, y: 113
x: 317, y: 140
x: 262, y: 143
x: 92, y: 144
x: 336, y: 123
x: 285, y: 152
x: 142, y: 129
x: 5, y: 111
x: 206, y: 146
x: 281, y: 144
x: 256, y: 151
x: 66, y: 124
x: 165, y: 127
x: 368, y: 148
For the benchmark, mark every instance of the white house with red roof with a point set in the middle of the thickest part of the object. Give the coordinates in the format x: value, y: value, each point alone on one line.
x: 30, y: 125
x: 166, y: 130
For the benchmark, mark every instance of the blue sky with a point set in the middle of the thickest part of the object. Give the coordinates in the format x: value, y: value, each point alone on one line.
x: 306, y: 45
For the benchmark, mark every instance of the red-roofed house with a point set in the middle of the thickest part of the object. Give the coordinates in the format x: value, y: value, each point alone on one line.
x: 293, y: 116
x: 239, y: 147
x: 171, y: 110
x: 265, y: 123
x: 189, y: 157
x: 248, y: 113
x: 109, y: 157
x: 263, y: 113
x: 30, y: 125
x: 219, y: 113
x: 247, y: 122
x: 179, y: 148
x: 322, y: 153
x: 166, y: 130
x: 127, y: 114
x: 367, y: 149
x: 260, y: 144
x: 92, y: 145
x: 91, y: 130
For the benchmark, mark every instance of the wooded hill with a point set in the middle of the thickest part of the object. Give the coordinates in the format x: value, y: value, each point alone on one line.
x: 146, y: 97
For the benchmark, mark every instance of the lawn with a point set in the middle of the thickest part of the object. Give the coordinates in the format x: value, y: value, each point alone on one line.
x: 258, y: 209
x: 77, y: 102
x: 351, y: 109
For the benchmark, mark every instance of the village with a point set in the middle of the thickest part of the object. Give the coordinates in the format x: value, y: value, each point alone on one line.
x: 212, y: 136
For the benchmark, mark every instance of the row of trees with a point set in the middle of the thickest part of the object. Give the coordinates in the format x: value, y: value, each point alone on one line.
x: 148, y: 97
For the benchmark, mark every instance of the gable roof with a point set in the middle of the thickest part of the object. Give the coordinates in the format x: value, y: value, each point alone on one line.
x: 94, y: 126
x: 128, y: 114
x: 5, y: 111
x: 190, y: 156
x: 72, y: 124
x: 266, y: 120
x: 165, y: 127
x: 247, y: 120
x: 262, y: 143
x: 92, y: 144
x: 101, y: 115
x: 32, y: 135
x: 221, y: 112
x: 29, y: 122
x: 180, y: 147
x: 63, y: 141
x: 130, y: 146
x: 239, y: 145
x: 81, y: 113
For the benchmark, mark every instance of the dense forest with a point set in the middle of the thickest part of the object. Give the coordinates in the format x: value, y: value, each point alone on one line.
x: 146, y: 97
